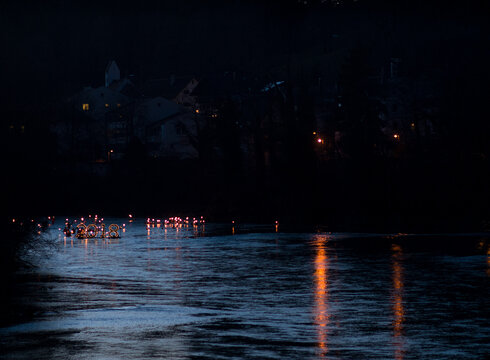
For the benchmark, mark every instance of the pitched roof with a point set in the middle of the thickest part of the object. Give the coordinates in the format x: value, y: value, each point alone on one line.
x: 156, y: 109
x: 109, y: 65
x: 167, y: 87
x: 126, y: 87
x: 227, y: 84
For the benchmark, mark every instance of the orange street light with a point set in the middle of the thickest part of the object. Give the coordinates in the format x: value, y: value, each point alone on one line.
x: 109, y: 154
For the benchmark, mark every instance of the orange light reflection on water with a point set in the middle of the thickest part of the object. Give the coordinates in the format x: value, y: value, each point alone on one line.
x: 322, y: 315
x: 397, y: 301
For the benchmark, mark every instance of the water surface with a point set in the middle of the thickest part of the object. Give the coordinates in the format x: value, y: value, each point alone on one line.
x: 254, y: 293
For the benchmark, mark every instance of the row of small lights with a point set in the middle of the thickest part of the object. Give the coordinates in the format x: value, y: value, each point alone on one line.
x: 170, y: 222
x: 95, y: 220
x: 176, y: 222
x: 32, y: 220
x: 321, y: 141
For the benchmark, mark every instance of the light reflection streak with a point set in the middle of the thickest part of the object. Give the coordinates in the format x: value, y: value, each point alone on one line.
x: 86, y: 250
x: 397, y: 301
x: 322, y: 315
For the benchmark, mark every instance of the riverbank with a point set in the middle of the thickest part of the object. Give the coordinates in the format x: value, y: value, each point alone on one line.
x: 384, y: 195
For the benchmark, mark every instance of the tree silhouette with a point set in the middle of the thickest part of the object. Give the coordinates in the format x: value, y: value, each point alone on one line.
x: 357, y: 109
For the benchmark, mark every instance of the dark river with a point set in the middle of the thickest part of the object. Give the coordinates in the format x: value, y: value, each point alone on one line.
x: 250, y: 292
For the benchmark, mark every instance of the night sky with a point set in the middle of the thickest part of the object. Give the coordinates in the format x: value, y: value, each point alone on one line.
x: 52, y: 48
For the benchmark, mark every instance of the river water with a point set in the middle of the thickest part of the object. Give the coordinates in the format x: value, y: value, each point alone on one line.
x: 250, y: 292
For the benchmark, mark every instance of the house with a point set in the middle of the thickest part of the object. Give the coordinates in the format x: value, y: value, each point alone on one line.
x: 119, y: 111
x: 164, y: 127
x: 112, y: 73
x: 168, y: 88
x: 186, y: 97
x: 97, y: 102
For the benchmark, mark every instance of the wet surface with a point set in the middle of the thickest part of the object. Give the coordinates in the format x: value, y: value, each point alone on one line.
x: 210, y: 293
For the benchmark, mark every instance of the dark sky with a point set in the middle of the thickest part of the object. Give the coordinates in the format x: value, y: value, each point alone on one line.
x: 53, y: 48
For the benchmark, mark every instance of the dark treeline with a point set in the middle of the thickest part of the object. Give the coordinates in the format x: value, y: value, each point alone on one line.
x: 434, y: 177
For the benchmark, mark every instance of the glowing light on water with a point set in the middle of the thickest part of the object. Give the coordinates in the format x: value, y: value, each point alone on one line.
x: 397, y: 301
x: 321, y: 311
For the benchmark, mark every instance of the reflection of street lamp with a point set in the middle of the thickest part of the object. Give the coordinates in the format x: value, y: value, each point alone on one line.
x: 109, y: 154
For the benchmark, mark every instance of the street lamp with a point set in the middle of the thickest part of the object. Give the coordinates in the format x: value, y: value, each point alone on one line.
x: 109, y: 154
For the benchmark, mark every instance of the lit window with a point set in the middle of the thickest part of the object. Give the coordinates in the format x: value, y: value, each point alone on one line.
x: 118, y: 105
x: 106, y: 105
x: 85, y: 107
